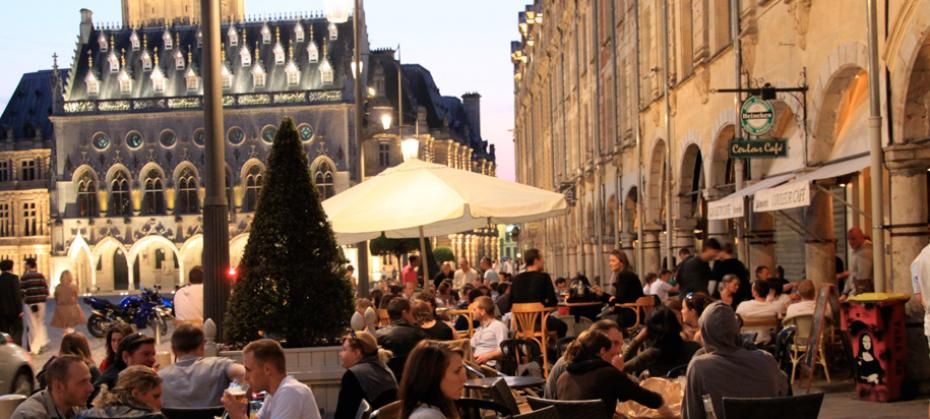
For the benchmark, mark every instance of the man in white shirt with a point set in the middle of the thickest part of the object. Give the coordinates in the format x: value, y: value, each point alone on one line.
x: 464, y: 275
x: 859, y: 277
x: 808, y: 302
x: 490, y: 275
x: 188, y: 301
x: 659, y: 287
x: 266, y: 370
x: 758, y: 308
x: 486, y: 342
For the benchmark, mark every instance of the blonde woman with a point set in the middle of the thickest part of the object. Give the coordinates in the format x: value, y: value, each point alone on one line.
x: 68, y: 314
x: 137, y: 394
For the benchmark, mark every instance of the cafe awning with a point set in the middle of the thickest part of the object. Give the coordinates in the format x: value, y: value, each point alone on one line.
x: 731, y: 206
x: 796, y: 193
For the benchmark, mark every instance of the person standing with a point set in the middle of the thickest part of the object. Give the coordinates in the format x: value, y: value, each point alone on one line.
x: 68, y: 314
x: 35, y: 293
x: 408, y: 275
x: 188, y: 301
x: 464, y: 275
x: 535, y: 286
x: 859, y: 277
x: 11, y: 302
x: 445, y: 273
x: 490, y: 275
x: 694, y: 274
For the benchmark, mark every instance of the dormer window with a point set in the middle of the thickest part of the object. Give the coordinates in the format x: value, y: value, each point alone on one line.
x: 158, y: 81
x: 146, y: 61
x: 113, y: 61
x: 293, y: 74
x: 166, y: 39
x: 134, y: 40
x: 233, y: 35
x: 227, y: 77
x: 125, y: 82
x: 179, y: 63
x: 326, y: 73
x: 258, y: 76
x: 102, y: 42
x: 266, y: 34
x: 299, y: 32
x: 245, y: 57
x: 193, y: 82
x: 93, y: 85
x: 278, y: 54
x: 313, y: 54
x: 333, y: 32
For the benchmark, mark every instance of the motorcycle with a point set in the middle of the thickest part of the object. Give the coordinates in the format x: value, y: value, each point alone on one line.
x: 147, y: 309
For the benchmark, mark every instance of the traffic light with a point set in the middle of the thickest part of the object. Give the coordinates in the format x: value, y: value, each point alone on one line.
x: 232, y: 274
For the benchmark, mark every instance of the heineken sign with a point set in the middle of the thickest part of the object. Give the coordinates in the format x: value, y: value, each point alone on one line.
x: 747, y: 149
x: 756, y: 116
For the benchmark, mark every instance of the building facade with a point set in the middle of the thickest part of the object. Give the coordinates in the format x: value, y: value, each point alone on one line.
x: 617, y: 103
x: 105, y: 178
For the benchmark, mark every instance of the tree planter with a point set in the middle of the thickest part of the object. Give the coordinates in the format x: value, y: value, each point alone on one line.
x: 317, y: 367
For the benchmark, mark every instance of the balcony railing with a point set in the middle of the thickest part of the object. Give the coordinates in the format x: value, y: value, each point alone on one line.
x: 236, y: 100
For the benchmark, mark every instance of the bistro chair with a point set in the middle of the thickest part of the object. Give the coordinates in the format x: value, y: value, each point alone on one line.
x: 806, y: 406
x: 519, y: 356
x: 459, y: 345
x: 544, y: 413
x: 574, y: 409
x: 769, y: 323
x: 642, y: 307
x: 501, y: 394
x: 463, y: 334
x: 389, y: 411
x: 529, y: 322
x: 800, y: 345
x: 471, y: 408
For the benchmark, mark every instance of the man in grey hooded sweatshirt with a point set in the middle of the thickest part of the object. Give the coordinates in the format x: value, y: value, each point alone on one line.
x: 726, y: 369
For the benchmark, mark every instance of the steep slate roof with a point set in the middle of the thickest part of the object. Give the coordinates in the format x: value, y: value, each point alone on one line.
x: 30, y: 106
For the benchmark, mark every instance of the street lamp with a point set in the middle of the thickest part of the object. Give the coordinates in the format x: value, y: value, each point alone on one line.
x: 386, y: 120
x: 337, y: 11
x: 410, y: 148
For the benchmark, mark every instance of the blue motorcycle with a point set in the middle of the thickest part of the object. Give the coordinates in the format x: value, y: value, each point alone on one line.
x: 147, y: 309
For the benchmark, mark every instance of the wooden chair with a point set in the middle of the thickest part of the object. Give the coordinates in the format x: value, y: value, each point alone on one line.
x: 463, y: 334
x: 642, y: 307
x: 796, y: 407
x: 544, y: 413
x: 799, y: 346
x: 529, y: 322
x: 767, y: 322
x: 574, y: 409
x: 389, y: 411
x: 383, y: 318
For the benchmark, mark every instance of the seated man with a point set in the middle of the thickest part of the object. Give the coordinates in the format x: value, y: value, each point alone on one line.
x: 266, y: 370
x: 401, y: 336
x: 808, y: 302
x: 726, y: 369
x: 756, y: 309
x: 135, y: 349
x: 68, y: 389
x: 486, y: 342
x: 195, y: 381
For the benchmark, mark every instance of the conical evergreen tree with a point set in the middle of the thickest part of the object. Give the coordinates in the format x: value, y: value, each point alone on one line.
x: 291, y: 278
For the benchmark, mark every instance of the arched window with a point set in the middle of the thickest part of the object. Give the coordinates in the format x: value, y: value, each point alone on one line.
x: 188, y: 202
x: 254, y: 180
x: 120, y: 204
x: 153, y: 198
x: 323, y: 179
x: 87, y: 195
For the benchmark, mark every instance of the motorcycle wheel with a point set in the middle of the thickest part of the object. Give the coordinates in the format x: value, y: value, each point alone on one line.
x: 97, y: 326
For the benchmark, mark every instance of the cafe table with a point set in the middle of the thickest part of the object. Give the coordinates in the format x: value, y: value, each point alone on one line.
x: 514, y: 382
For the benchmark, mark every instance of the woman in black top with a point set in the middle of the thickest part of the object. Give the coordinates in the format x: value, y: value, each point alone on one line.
x: 434, y: 329
x: 663, y: 349
x: 627, y: 288
x: 366, y: 376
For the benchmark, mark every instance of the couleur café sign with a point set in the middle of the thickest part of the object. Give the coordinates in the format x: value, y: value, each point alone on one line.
x: 743, y: 149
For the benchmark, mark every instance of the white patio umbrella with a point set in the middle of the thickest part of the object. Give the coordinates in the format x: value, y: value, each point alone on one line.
x: 419, y: 199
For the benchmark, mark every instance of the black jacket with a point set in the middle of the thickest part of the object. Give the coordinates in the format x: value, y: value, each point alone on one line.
x: 400, y: 337
x: 734, y: 267
x: 533, y: 287
x: 693, y: 275
x: 628, y: 289
x: 11, y: 297
x: 598, y: 379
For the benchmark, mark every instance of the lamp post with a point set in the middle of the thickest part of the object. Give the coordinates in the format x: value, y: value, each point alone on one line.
x: 215, y: 213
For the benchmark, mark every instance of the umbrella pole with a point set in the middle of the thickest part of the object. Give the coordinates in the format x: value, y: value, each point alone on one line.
x: 423, y: 263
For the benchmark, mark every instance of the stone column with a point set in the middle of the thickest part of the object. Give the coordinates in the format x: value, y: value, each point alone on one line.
x: 820, y: 241
x: 650, y: 248
x: 626, y: 246
x: 761, y: 238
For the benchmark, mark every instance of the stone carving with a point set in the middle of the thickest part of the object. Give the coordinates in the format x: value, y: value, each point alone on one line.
x: 702, y: 83
x: 153, y: 226
x: 800, y: 11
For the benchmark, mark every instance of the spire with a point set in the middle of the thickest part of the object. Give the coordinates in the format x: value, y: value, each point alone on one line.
x: 257, y: 57
x: 156, y: 57
x: 90, y: 61
x: 122, y: 58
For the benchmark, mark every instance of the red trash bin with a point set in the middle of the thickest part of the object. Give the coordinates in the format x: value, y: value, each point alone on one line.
x: 875, y: 324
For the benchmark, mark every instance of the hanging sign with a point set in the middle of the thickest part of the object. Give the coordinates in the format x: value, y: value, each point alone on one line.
x: 789, y: 195
x: 756, y: 116
x: 755, y: 149
x: 725, y: 209
x: 568, y: 189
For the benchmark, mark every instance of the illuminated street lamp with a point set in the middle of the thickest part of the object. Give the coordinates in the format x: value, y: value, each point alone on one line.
x: 410, y: 148
x: 386, y: 120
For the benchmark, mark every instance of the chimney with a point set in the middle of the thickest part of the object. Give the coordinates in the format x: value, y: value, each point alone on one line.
x: 472, y: 102
x: 87, y: 25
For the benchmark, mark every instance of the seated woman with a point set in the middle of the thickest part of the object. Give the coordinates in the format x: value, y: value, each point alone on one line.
x: 434, y: 329
x: 691, y: 308
x: 590, y: 375
x: 729, y: 287
x: 76, y: 344
x: 663, y: 349
x: 434, y: 379
x: 137, y: 394
x: 116, y: 333
x: 366, y: 376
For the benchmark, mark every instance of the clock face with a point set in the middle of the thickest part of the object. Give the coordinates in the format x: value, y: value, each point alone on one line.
x: 134, y: 140
x: 200, y: 137
x: 236, y: 135
x: 268, y: 134
x: 305, y: 131
x: 101, y: 141
x: 168, y: 139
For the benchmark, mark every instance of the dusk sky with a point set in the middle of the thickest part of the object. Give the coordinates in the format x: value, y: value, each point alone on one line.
x: 465, y: 44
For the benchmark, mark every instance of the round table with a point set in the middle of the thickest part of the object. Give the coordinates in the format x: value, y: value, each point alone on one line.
x: 512, y: 382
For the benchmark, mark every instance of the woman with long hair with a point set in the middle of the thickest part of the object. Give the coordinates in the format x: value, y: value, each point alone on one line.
x: 76, y: 344
x: 433, y: 380
x: 627, y: 288
x: 663, y: 349
x: 366, y: 377
x: 137, y: 394
x: 115, y: 334
x: 68, y: 313
x: 434, y: 329
x: 692, y: 306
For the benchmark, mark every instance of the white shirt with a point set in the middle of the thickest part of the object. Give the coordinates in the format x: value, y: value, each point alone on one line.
x: 188, y: 302
x: 802, y: 308
x: 461, y: 278
x: 491, y: 276
x: 920, y: 279
x: 754, y: 309
x: 292, y: 400
x: 488, y: 338
x: 660, y: 288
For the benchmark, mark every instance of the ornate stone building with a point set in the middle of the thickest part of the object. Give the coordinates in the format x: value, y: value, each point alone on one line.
x: 648, y: 161
x: 114, y: 192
